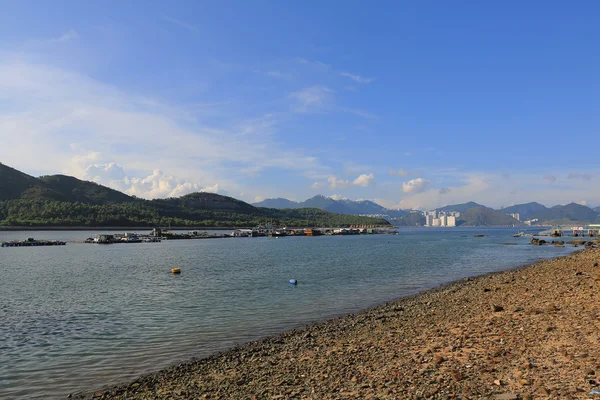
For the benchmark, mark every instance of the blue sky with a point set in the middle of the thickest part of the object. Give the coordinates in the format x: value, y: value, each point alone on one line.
x: 412, y: 105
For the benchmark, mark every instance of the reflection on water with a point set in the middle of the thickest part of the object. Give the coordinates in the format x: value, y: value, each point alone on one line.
x: 82, y: 316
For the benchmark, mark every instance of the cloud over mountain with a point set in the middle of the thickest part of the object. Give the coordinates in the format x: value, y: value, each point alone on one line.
x: 364, y: 180
x: 415, y: 185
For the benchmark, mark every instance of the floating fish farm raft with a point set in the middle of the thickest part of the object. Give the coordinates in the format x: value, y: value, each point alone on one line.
x: 32, y: 242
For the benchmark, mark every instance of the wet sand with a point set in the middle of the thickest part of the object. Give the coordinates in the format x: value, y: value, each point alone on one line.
x: 529, y: 333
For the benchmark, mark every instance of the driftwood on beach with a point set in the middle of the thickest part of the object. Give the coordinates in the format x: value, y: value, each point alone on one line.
x: 528, y: 333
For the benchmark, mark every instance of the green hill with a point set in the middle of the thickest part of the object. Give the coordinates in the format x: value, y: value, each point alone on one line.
x: 84, y: 191
x: 566, y: 214
x: 484, y: 216
x: 343, y: 206
x: 526, y: 211
x: 461, y: 208
x: 209, y: 202
x: 60, y: 200
x: 411, y: 219
x: 276, y: 203
x: 17, y: 185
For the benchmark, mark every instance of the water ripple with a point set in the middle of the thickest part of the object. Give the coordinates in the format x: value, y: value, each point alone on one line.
x: 83, y: 316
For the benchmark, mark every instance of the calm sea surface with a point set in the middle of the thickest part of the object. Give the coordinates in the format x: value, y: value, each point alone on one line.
x: 83, y: 316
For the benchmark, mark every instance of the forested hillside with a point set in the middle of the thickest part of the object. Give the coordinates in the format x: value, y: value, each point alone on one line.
x: 60, y: 200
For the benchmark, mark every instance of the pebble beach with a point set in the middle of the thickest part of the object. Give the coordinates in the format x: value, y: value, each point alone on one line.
x: 528, y: 333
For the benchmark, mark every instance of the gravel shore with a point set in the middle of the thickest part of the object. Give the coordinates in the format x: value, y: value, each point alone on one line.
x: 530, y: 333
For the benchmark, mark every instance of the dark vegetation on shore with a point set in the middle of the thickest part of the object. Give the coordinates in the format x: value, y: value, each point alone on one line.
x: 60, y: 200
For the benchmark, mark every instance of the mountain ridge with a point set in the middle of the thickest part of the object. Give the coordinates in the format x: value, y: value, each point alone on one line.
x: 341, y: 206
x: 526, y: 211
x: 17, y: 186
x: 61, y: 200
x: 485, y: 216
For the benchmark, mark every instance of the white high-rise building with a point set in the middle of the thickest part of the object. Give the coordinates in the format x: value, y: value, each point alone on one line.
x: 443, y: 220
x: 428, y: 219
x: 437, y: 222
x: 450, y: 220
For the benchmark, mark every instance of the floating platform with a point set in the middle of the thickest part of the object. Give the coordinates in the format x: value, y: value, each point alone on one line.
x: 32, y: 243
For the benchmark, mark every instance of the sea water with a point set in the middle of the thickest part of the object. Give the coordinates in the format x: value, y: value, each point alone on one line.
x: 84, y: 316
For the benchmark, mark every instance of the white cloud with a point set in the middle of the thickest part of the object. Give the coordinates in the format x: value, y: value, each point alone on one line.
x: 364, y: 180
x: 415, y: 185
x: 338, y: 197
x: 155, y: 185
x: 335, y: 183
x: 67, y: 121
x: 398, y: 172
x: 357, y: 78
x: 312, y: 99
x: 104, y: 172
x: 214, y: 189
x: 444, y: 190
x: 316, y: 63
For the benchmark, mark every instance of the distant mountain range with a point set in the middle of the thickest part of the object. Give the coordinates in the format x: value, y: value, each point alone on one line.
x: 472, y: 214
x: 343, y: 206
x: 60, y: 200
x: 461, y: 208
x: 484, y: 216
x: 65, y: 200
x: 526, y: 211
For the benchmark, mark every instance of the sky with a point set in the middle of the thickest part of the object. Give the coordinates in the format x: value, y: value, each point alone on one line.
x: 408, y: 104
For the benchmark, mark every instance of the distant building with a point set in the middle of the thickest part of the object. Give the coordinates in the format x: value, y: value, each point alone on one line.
x: 428, y: 220
x: 516, y: 216
x: 443, y: 220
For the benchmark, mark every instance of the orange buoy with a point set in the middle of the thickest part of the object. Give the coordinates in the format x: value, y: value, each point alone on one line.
x: 176, y: 270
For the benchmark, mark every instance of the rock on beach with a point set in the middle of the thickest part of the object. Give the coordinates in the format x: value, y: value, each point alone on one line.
x: 529, y: 333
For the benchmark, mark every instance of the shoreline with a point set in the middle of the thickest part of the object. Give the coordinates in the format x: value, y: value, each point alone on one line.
x: 105, y: 228
x: 458, y: 339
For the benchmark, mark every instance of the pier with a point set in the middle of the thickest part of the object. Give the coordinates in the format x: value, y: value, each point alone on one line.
x: 591, y: 230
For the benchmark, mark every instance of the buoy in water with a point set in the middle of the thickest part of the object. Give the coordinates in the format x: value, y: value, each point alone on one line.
x: 176, y: 270
x: 293, y: 282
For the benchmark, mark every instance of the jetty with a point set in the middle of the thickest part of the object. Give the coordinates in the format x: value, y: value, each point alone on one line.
x: 590, y: 230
